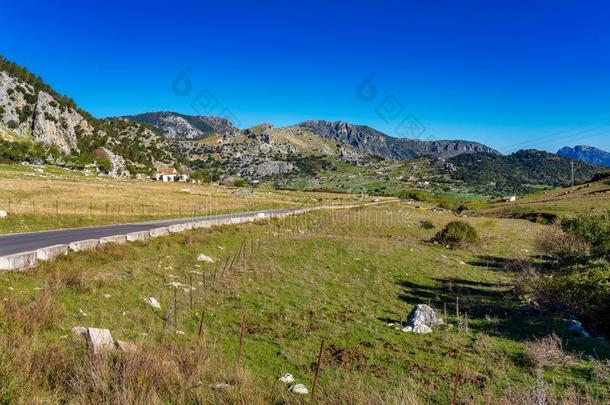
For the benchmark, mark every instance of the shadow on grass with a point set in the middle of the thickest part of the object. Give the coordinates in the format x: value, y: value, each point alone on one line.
x: 495, y: 310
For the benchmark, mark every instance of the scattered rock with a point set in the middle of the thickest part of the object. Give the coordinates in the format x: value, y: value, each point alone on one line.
x: 152, y: 301
x: 107, y: 296
x: 3, y: 214
x: 422, y: 319
x: 299, y: 389
x: 421, y: 329
x: 287, y: 378
x: 203, y: 258
x: 127, y: 347
x: 99, y: 340
x: 80, y: 331
x: 220, y: 386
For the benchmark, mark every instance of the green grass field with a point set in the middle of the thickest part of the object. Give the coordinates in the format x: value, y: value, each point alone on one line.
x: 338, y: 277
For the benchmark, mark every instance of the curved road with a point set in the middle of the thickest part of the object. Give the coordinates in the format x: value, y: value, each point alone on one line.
x: 30, y: 241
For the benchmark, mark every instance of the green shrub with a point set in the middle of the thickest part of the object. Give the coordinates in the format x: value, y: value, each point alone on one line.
x: 456, y: 234
x: 413, y: 195
x: 447, y: 205
x: 565, y: 248
x: 427, y: 224
x: 593, y: 229
x: 239, y: 183
x: 12, y: 124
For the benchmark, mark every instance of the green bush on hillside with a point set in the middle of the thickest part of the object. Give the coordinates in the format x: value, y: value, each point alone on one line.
x: 594, y: 229
x: 413, y: 195
x: 456, y: 234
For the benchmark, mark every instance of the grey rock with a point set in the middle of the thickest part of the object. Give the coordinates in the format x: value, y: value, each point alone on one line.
x: 99, y: 340
x: 422, y: 319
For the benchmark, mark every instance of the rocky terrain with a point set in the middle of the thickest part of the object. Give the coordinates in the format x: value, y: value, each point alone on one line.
x: 370, y: 141
x: 587, y: 154
x: 173, y: 125
x: 39, y: 124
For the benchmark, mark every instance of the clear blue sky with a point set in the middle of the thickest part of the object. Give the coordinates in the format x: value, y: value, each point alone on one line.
x: 511, y: 74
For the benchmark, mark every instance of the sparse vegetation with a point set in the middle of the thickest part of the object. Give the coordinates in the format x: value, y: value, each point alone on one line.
x: 281, y: 263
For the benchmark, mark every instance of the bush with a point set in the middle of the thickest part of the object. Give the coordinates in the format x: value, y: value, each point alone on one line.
x: 239, y: 183
x: 565, y: 248
x: 594, y: 229
x: 426, y: 224
x: 456, y: 234
x: 413, y: 195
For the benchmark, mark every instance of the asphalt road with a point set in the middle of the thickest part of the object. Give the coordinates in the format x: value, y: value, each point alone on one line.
x: 30, y: 241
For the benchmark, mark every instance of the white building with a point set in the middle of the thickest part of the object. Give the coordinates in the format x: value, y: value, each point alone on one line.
x: 166, y: 174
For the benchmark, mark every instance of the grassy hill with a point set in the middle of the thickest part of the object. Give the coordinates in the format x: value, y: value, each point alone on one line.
x: 338, y: 277
x: 518, y: 173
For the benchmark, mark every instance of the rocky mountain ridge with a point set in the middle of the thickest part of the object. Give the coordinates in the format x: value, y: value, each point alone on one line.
x: 172, y: 125
x: 587, y: 154
x: 370, y: 141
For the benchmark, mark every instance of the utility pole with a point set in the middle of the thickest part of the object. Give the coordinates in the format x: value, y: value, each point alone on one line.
x: 572, y: 164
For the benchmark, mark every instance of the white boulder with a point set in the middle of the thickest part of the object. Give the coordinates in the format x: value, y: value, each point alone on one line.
x: 203, y: 258
x: 299, y: 389
x: 152, y: 301
x: 287, y: 378
x: 3, y: 214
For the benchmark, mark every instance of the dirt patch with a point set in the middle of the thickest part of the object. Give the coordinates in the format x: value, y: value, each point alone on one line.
x: 348, y: 358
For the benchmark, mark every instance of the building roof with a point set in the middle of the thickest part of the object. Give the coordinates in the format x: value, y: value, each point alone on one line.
x: 167, y: 170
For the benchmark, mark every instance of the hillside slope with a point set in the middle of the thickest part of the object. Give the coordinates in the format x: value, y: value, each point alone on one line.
x: 517, y: 173
x: 38, y: 124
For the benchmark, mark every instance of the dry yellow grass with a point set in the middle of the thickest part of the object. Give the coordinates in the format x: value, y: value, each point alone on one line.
x: 47, y: 198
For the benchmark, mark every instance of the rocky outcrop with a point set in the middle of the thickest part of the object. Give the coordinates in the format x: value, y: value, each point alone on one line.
x: 117, y: 164
x: 370, y: 141
x: 57, y: 125
x: 173, y: 125
x: 272, y: 168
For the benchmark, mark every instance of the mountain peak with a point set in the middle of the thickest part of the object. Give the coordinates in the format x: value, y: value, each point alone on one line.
x: 585, y: 153
x: 173, y: 125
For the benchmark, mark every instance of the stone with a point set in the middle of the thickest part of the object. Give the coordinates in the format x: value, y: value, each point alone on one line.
x: 3, y: 214
x: 83, y: 245
x: 51, y: 252
x: 157, y: 232
x: 138, y: 236
x: 220, y: 386
x: 287, y: 378
x: 421, y: 329
x: 299, y: 389
x: 152, y: 301
x: 115, y: 240
x: 99, y: 340
x: 203, y: 258
x: 79, y: 331
x: 422, y: 319
x: 126, y: 347
x: 18, y: 261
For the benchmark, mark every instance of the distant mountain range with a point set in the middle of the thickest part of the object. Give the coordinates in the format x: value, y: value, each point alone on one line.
x: 39, y: 125
x: 587, y: 154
